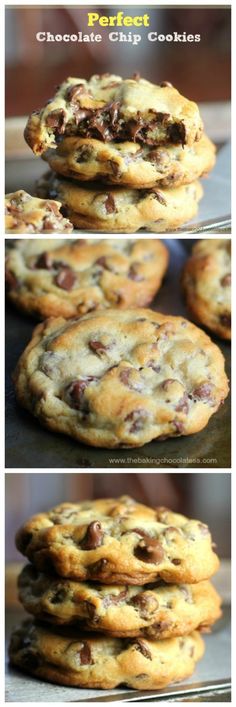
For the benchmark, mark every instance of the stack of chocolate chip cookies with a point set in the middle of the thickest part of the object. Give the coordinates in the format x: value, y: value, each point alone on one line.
x: 125, y: 154
x: 119, y: 594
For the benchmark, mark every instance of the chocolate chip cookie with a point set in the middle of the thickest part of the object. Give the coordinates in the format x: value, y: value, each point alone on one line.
x: 66, y: 657
x: 110, y: 108
x: 118, y: 541
x: 72, y: 277
x: 157, y: 612
x: 27, y: 214
x: 118, y: 378
x: 130, y: 163
x: 119, y: 209
x: 207, y: 285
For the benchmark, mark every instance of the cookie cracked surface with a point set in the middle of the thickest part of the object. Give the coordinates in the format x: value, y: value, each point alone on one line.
x: 156, y: 611
x: 28, y: 214
x: 72, y: 277
x: 121, y: 378
x: 108, y: 108
x: 119, y: 209
x: 131, y: 163
x: 118, y: 541
x: 207, y: 285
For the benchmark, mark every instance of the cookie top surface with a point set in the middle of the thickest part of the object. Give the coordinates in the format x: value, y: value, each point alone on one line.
x: 207, y: 285
x: 69, y: 658
x: 70, y: 277
x: 131, y: 163
x: 122, y: 209
x: 121, y: 378
x: 108, y: 108
x: 118, y: 541
x: 28, y: 214
x: 156, y: 611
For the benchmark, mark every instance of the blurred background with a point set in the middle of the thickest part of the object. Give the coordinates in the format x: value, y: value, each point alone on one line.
x: 201, y: 71
x: 198, y: 495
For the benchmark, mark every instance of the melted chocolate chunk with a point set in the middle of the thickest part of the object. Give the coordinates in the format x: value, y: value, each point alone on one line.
x: 76, y: 389
x: 98, y: 568
x: 137, y: 418
x: 226, y: 280
x: 93, y: 537
x: 133, y: 274
x: 44, y: 261
x: 183, y: 405
x: 11, y: 280
x: 179, y: 426
x: 202, y: 392
x: 177, y: 133
x: 65, y: 279
x: 165, y: 84
x: 159, y: 196
x: 114, y: 598
x: 85, y: 654
x: 57, y: 119
x: 145, y: 603
x: 73, y: 92
x: 225, y: 319
x: 98, y: 347
x: 142, y: 647
x: 149, y: 550
x: 59, y: 596
x: 110, y: 204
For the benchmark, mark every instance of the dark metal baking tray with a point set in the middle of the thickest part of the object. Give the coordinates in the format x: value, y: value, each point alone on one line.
x: 28, y: 445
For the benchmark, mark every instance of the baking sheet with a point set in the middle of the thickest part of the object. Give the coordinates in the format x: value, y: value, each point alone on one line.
x: 28, y: 445
x: 213, y: 670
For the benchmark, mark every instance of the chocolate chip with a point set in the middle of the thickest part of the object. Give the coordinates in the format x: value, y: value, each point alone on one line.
x: 97, y: 568
x: 133, y: 274
x: 142, y: 647
x: 159, y: 196
x: 225, y: 320
x: 31, y: 660
x: 83, y: 154
x: 57, y: 119
x: 159, y: 628
x: 176, y: 561
x: 114, y: 598
x: 73, y: 92
x: 85, y: 654
x: 11, y: 280
x: 136, y: 76
x: 75, y: 391
x: 165, y: 84
x: 183, y: 405
x: 146, y: 603
x: 109, y: 204
x: 59, y: 596
x: 177, y: 133
x: 103, y: 262
x: 149, y: 550
x: 93, y: 537
x: 226, y: 280
x: 137, y: 418
x: 98, y: 347
x: 178, y: 426
x: 202, y: 392
x: 167, y: 383
x: 44, y: 261
x: 65, y: 279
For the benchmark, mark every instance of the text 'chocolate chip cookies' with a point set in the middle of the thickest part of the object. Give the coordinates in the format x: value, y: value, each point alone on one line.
x: 72, y: 277
x: 104, y: 635
x: 142, y: 140
x: 121, y: 378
